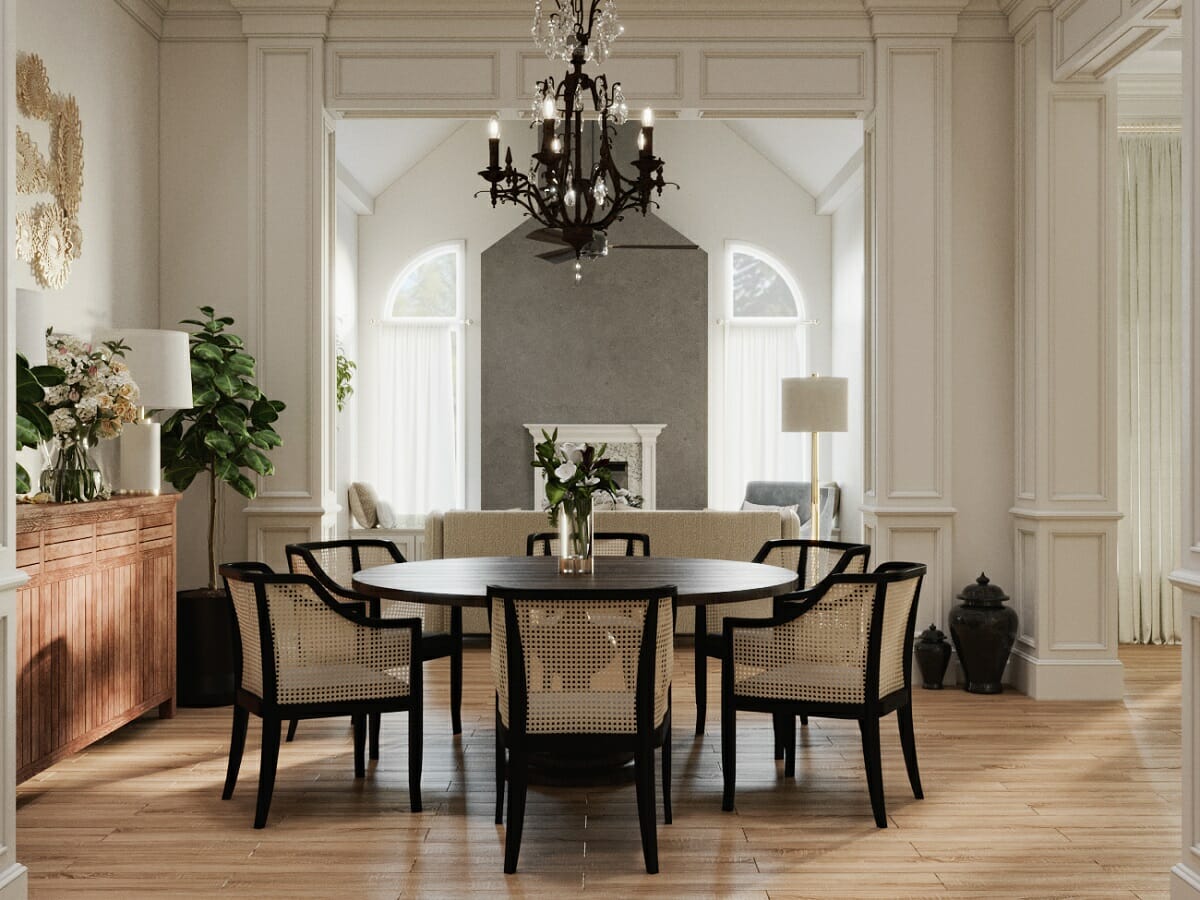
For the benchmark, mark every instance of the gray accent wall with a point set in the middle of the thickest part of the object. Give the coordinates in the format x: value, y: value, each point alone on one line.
x: 628, y: 344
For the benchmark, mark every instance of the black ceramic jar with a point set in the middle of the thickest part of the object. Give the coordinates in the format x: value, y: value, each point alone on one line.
x: 983, y: 630
x: 933, y: 656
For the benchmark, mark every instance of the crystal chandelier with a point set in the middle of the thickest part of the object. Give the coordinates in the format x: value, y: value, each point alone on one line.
x: 577, y: 198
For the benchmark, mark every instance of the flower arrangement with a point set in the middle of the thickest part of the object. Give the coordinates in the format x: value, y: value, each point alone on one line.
x: 94, y: 401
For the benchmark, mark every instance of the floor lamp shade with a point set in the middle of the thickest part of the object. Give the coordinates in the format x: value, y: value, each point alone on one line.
x: 31, y: 326
x: 814, y: 405
x: 160, y: 362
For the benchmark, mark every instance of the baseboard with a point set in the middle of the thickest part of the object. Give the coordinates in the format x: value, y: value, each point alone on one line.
x: 14, y: 883
x: 1185, y: 883
x: 1067, y: 679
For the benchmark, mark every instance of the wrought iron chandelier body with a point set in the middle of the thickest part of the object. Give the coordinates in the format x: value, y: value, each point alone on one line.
x: 577, y: 197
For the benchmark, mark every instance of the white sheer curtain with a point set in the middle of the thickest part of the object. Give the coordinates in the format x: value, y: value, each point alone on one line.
x: 415, y: 419
x: 757, y: 357
x: 1150, y: 369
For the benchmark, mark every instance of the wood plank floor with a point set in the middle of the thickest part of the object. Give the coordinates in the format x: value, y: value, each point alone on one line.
x: 1023, y: 799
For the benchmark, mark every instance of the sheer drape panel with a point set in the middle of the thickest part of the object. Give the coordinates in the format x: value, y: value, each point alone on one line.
x: 1150, y: 368
x: 757, y: 358
x: 416, y: 457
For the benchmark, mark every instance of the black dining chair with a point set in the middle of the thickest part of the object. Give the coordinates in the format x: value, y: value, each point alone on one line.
x: 605, y: 543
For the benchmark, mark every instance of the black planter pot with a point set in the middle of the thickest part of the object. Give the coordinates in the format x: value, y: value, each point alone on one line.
x: 203, y: 649
x: 983, y: 630
x: 933, y: 656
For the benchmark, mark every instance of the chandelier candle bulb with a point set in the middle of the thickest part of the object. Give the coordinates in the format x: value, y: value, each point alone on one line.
x: 494, y: 143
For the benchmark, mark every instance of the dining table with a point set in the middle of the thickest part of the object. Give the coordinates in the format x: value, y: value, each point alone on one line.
x: 464, y: 582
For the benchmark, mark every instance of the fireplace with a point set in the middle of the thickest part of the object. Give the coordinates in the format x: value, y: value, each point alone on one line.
x: 632, y: 447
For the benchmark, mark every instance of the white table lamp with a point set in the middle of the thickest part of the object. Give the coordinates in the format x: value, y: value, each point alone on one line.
x: 160, y: 362
x: 814, y: 405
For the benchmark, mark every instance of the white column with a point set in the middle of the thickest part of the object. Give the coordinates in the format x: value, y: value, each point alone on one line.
x: 289, y: 198
x: 13, y: 879
x: 1185, y: 877
x: 908, y: 512
x: 1065, y: 511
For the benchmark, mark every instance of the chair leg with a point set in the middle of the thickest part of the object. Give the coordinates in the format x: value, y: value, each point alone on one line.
x: 869, y: 727
x: 789, y: 746
x: 728, y: 750
x: 266, y: 769
x: 517, y: 787
x: 359, y: 723
x: 666, y: 771
x: 237, y: 745
x: 804, y: 720
x: 500, y: 765
x: 647, y: 818
x: 291, y: 735
x: 416, y: 752
x: 376, y: 722
x: 779, y: 728
x: 908, y: 741
x: 701, y: 678
x: 456, y: 670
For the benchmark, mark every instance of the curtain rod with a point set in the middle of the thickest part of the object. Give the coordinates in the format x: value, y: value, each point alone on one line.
x: 1151, y: 128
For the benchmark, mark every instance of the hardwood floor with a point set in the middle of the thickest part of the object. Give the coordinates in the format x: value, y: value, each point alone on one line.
x: 1023, y: 799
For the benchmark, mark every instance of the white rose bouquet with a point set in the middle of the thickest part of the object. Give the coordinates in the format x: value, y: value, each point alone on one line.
x: 96, y: 399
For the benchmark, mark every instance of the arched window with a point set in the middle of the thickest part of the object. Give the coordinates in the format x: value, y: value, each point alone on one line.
x: 764, y: 343
x: 419, y: 460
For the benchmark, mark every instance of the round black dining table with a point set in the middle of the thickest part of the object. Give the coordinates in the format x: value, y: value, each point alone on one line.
x: 464, y: 581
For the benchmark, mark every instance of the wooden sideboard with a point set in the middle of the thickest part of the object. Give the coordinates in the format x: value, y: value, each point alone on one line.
x: 95, y: 623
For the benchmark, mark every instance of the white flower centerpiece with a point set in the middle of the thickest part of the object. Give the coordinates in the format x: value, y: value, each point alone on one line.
x: 95, y: 401
x: 574, y: 472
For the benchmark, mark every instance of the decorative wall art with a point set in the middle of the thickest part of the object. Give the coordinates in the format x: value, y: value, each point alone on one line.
x: 48, y: 236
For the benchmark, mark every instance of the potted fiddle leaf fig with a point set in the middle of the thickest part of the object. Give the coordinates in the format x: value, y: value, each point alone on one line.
x: 227, y: 430
x: 225, y: 435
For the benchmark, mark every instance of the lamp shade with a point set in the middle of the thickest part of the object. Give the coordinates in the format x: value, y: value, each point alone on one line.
x: 31, y: 326
x: 160, y: 362
x: 813, y: 404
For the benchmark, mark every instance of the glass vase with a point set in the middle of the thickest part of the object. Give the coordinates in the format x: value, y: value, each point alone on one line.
x: 72, y: 475
x: 575, y: 537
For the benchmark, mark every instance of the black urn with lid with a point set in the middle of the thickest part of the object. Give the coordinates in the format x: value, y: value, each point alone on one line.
x: 933, y: 656
x: 983, y: 630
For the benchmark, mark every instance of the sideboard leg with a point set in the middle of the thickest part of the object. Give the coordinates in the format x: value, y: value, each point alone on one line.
x: 166, y: 709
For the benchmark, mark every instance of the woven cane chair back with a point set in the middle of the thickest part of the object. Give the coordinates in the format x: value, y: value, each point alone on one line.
x: 333, y: 563
x: 582, y: 659
x: 605, y: 543
x: 314, y: 653
x: 814, y: 561
x: 824, y: 654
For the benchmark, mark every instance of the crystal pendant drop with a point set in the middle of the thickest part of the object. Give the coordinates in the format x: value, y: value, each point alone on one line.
x: 569, y: 198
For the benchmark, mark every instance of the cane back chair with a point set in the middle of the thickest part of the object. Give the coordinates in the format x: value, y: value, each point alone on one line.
x: 811, y: 560
x: 604, y: 543
x: 842, y: 649
x: 299, y: 654
x: 582, y: 673
x: 334, y: 563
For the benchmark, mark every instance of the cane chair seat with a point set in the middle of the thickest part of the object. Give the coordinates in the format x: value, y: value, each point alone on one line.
x: 842, y: 649
x: 604, y: 543
x: 813, y: 561
x: 574, y: 669
x: 299, y: 653
x: 334, y: 564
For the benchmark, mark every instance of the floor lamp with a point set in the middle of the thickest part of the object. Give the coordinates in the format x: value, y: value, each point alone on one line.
x: 814, y: 405
x: 160, y: 362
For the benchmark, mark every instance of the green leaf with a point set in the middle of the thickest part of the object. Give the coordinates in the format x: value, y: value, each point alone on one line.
x: 27, y: 434
x: 220, y: 442
x: 37, y: 417
x: 256, y: 460
x: 23, y: 484
x: 244, y: 486
x: 227, y: 384
x: 208, y: 352
x: 241, y: 364
x: 232, y: 417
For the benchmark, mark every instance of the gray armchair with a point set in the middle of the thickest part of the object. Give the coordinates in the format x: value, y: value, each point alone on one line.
x: 796, y: 493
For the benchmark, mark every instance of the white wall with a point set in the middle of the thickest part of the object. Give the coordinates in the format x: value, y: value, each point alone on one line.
x: 730, y: 192
x: 99, y: 53
x: 982, y: 314
x: 204, y: 258
x: 430, y: 204
x: 848, y: 356
x: 345, y: 299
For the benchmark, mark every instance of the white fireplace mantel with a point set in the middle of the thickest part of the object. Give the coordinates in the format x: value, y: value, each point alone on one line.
x: 644, y: 434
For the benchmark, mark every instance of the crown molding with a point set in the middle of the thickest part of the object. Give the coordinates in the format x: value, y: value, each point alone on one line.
x: 147, y: 13
x: 914, y: 18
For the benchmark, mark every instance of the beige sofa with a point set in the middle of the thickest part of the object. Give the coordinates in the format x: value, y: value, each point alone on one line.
x: 697, y: 533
